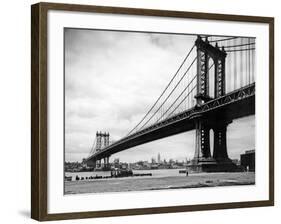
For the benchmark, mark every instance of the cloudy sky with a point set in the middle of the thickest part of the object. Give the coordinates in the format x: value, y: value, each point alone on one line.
x: 113, y: 78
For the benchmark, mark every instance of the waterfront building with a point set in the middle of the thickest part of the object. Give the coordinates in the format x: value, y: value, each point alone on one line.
x: 247, y: 160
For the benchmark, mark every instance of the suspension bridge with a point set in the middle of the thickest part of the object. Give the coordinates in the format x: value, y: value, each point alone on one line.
x: 214, y: 84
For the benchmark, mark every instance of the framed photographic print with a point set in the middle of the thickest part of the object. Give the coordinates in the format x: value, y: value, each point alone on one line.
x: 140, y: 111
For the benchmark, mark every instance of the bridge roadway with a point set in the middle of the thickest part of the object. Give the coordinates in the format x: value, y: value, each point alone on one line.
x: 233, y: 105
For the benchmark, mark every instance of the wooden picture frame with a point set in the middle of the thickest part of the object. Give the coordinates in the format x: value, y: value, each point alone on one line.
x: 39, y: 110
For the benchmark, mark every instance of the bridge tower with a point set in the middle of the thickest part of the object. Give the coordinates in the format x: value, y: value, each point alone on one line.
x: 97, y: 163
x: 203, y: 160
x: 102, y: 141
x: 99, y: 141
x: 106, y: 139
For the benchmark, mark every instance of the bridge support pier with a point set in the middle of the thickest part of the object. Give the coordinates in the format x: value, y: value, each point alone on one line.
x: 203, y: 161
x: 105, y: 165
x: 220, y: 146
x: 102, y: 164
x: 202, y: 147
x: 98, y: 164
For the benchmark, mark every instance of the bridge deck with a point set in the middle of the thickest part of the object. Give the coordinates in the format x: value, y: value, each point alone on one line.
x: 234, y: 105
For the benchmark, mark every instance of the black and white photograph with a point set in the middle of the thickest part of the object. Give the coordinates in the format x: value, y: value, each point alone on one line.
x: 157, y: 111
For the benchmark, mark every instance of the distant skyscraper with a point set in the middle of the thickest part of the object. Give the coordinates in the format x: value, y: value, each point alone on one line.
x: 159, y: 158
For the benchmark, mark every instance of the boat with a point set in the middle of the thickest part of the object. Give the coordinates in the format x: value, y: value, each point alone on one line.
x: 116, y: 172
x: 68, y: 178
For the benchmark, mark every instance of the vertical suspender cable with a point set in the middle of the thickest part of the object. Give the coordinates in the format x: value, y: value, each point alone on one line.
x: 235, y: 67
x: 249, y: 61
x: 241, y: 66
x: 254, y: 61
x: 246, y: 63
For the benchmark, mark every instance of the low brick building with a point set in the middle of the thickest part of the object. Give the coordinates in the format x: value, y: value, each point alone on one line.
x: 248, y: 160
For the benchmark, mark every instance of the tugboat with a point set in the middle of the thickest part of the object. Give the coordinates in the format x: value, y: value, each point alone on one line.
x: 67, y: 178
x: 184, y: 171
x: 116, y: 172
